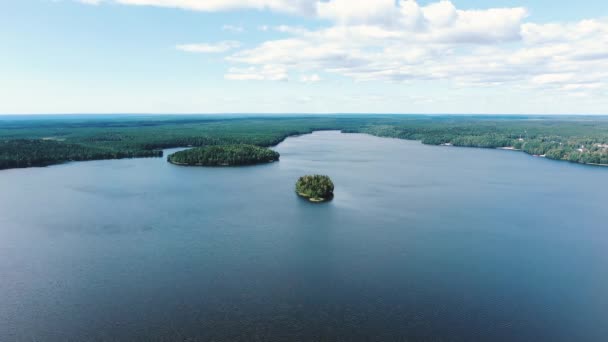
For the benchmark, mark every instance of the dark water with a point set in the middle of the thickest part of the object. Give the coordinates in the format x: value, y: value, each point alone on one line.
x: 420, y: 243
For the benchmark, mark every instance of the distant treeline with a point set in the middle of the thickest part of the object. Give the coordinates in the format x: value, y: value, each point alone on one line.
x: 25, y: 143
x: 27, y: 153
x: 574, y: 141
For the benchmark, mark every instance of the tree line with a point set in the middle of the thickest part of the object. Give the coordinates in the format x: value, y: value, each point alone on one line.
x: 27, y: 153
x: 25, y: 143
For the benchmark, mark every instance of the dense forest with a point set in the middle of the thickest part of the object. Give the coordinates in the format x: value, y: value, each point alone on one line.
x: 22, y: 153
x: 224, y: 155
x: 575, y: 139
x: 316, y: 188
x: 40, y: 141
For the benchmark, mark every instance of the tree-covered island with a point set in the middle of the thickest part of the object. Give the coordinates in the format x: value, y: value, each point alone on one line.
x: 315, y: 188
x: 224, y: 155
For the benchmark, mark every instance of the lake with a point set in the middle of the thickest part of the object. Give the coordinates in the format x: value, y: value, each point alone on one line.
x: 420, y: 243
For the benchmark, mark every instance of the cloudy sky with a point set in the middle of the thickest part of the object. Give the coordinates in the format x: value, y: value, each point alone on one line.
x: 303, y: 56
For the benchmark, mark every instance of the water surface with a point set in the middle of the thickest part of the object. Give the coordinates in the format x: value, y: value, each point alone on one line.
x: 419, y: 243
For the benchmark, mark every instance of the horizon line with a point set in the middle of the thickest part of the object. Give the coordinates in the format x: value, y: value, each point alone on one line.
x: 294, y: 114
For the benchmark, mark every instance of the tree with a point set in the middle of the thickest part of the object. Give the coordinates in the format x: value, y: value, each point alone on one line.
x: 315, y: 187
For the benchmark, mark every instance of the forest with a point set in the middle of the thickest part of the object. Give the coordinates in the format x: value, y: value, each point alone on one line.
x: 40, y: 141
x: 576, y: 139
x: 224, y: 155
x: 21, y: 153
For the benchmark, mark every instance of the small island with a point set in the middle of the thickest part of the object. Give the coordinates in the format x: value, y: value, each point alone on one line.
x: 224, y: 155
x: 315, y: 188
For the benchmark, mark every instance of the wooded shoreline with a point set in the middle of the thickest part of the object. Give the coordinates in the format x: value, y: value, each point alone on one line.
x: 38, y: 143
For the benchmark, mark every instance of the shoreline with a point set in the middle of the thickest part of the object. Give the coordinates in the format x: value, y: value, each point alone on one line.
x: 314, y: 199
x: 341, y: 131
x: 509, y: 148
x: 220, y: 165
x: 506, y: 148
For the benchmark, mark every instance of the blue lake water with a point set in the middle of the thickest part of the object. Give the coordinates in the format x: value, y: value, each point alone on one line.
x: 420, y: 243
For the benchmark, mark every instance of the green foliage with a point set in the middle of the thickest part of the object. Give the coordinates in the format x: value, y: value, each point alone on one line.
x: 41, y: 142
x: 27, y: 153
x: 576, y: 139
x: 315, y: 187
x: 224, y: 155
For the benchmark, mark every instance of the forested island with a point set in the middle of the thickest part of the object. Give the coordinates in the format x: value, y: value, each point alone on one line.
x: 28, y: 141
x: 315, y: 188
x: 224, y: 155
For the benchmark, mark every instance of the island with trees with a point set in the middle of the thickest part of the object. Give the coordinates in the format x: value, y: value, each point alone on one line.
x: 224, y: 155
x: 315, y: 188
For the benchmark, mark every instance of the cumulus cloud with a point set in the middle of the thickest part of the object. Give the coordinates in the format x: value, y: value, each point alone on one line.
x: 209, y: 48
x: 305, y: 7
x: 401, y: 40
x: 404, y: 41
x: 435, y: 21
x: 385, y: 40
x: 358, y: 12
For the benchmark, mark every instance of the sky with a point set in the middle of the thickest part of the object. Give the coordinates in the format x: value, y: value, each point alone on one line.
x: 304, y: 56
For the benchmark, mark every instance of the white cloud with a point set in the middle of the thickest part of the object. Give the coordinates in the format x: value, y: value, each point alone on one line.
x: 553, y: 78
x: 233, y: 28
x: 90, y: 2
x: 402, y: 41
x: 290, y: 29
x: 405, y: 42
x: 304, y: 7
x: 358, y: 12
x: 439, y: 21
x: 383, y: 40
x: 263, y: 73
x: 209, y: 48
x: 441, y: 14
x: 310, y: 78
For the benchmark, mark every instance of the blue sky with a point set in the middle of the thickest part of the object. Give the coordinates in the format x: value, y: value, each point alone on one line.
x: 303, y: 56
